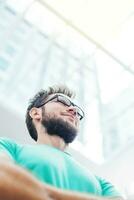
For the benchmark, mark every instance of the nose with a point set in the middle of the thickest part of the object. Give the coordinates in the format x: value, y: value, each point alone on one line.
x: 72, y: 110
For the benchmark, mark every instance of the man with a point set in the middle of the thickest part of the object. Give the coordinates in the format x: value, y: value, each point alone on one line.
x: 44, y: 171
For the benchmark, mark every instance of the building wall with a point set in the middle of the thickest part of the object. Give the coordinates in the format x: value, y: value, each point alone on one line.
x: 118, y: 126
x: 119, y: 169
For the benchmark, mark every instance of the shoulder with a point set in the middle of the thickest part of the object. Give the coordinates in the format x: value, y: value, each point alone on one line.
x: 108, y: 189
x: 8, y: 143
x: 8, y: 147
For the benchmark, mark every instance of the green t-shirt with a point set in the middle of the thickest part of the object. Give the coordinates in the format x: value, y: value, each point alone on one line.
x: 55, y: 167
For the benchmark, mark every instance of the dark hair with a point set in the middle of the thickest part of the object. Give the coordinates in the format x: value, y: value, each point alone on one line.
x: 38, y: 99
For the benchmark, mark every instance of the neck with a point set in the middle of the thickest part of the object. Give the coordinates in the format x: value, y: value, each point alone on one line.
x: 52, y: 140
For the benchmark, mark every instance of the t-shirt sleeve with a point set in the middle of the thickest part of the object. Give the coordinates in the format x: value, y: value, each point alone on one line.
x: 9, y: 147
x: 108, y: 189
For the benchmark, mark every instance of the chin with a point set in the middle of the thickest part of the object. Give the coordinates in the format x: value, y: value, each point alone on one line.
x: 62, y: 127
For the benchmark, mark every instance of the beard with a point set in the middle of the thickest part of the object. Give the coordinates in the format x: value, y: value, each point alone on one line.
x: 59, y: 127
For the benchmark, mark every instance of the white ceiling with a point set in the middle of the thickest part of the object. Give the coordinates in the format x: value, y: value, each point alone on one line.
x: 109, y: 24
x: 100, y: 19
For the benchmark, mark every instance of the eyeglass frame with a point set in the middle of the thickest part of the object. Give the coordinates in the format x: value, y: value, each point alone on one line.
x: 71, y: 103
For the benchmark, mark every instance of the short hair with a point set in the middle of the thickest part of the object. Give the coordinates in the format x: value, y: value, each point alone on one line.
x: 38, y: 99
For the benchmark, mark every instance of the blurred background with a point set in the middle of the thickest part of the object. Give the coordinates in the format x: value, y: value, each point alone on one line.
x: 87, y: 45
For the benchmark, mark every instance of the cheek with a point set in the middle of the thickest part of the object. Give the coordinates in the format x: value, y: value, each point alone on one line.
x: 52, y: 110
x: 77, y: 123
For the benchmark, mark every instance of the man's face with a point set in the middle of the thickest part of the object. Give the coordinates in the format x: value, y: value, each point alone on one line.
x: 60, y: 119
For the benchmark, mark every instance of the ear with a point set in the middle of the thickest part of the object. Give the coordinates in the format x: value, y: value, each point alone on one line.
x: 35, y: 113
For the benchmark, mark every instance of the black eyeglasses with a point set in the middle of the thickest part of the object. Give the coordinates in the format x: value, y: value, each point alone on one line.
x: 67, y: 102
